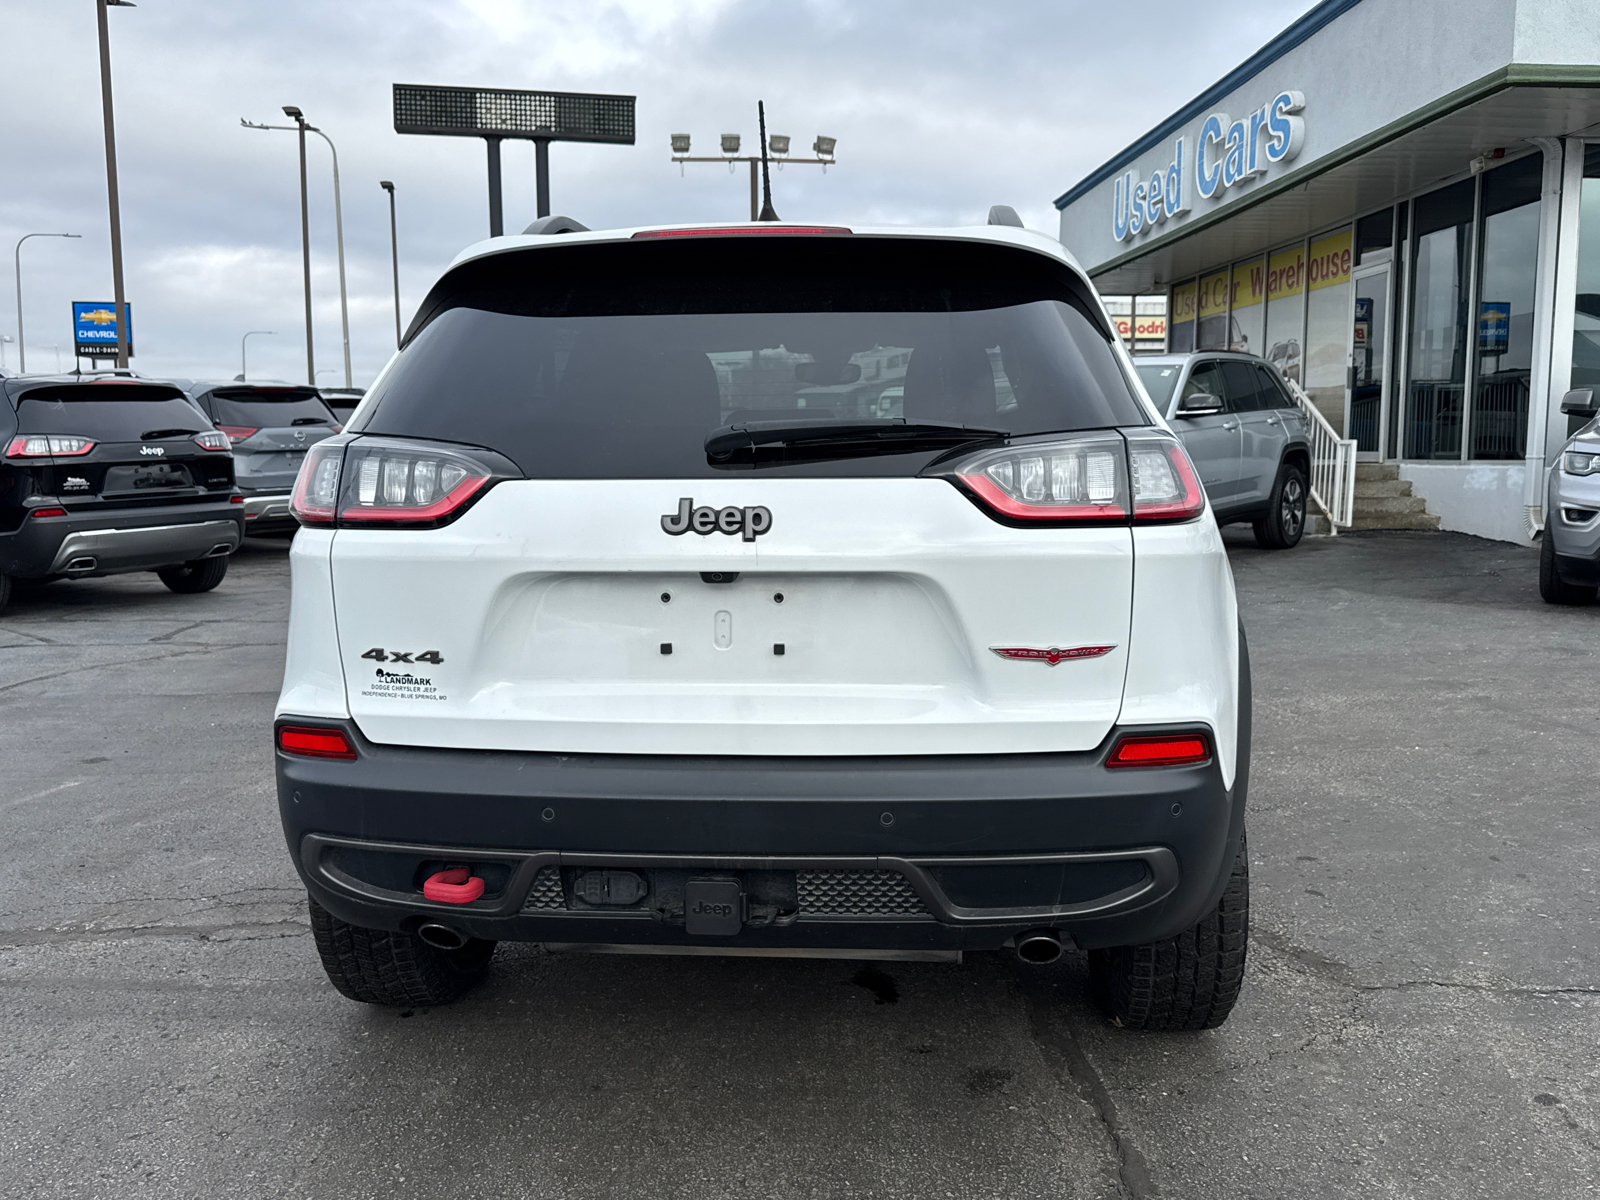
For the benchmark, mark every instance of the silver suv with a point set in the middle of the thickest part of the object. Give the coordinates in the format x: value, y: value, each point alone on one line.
x: 1246, y: 434
x: 1569, y: 551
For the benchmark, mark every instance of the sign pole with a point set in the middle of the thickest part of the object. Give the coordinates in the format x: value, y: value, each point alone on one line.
x: 541, y: 162
x: 111, y: 189
x: 496, y: 212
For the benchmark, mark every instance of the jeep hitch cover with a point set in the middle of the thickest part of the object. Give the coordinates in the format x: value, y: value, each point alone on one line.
x: 713, y: 908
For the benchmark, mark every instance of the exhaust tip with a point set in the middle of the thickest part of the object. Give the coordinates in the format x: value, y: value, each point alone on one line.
x: 1039, y: 947
x: 78, y: 566
x: 441, y: 937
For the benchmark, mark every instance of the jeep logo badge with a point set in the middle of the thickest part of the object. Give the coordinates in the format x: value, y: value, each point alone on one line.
x: 152, y: 449
x: 749, y: 523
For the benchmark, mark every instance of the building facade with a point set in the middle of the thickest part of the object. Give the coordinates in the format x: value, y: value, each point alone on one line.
x: 1398, y: 203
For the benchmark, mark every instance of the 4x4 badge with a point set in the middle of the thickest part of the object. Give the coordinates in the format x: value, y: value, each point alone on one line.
x: 750, y: 523
x: 1053, y: 655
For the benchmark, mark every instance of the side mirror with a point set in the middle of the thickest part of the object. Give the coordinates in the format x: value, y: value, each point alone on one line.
x: 1199, y: 404
x: 1580, y: 402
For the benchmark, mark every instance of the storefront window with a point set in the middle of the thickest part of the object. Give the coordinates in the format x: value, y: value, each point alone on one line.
x: 1328, y: 323
x: 1441, y: 222
x: 1375, y: 238
x: 1286, y: 310
x: 1213, y: 310
x: 1247, y: 315
x: 1508, y: 253
x: 1586, y: 321
x: 1182, y: 328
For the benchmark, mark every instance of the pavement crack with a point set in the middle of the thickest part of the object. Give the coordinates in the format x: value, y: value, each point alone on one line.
x: 167, y: 637
x: 1055, y: 1036
x: 11, y: 939
x: 122, y: 662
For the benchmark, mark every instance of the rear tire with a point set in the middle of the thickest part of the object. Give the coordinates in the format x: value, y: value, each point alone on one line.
x: 1285, y: 521
x: 1186, y: 982
x: 5, y: 590
x: 201, y: 575
x: 374, y: 966
x: 1552, y: 587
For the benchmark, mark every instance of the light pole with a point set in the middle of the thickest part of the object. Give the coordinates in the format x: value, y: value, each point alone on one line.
x: 244, y: 371
x: 303, y: 128
x: 778, y: 144
x: 394, y: 254
x: 5, y: 340
x: 22, y: 350
x: 111, y: 180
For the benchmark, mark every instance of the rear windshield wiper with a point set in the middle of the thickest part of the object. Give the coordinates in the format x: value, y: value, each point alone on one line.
x: 155, y: 435
x: 886, y: 435
x: 310, y: 421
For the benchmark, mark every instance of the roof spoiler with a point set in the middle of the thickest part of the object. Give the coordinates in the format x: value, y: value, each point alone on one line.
x: 560, y: 225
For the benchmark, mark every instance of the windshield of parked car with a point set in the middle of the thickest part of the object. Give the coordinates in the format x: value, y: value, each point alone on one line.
x: 618, y: 361
x: 269, y: 408
x: 1159, y: 379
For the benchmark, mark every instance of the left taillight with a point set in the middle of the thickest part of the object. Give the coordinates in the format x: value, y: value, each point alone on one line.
x: 316, y: 488
x: 392, y: 483
x: 314, y: 742
x: 212, y: 439
x: 48, y: 445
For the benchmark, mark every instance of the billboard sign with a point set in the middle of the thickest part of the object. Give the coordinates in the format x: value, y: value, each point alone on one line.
x: 94, y: 328
x: 513, y: 113
x: 1494, y: 326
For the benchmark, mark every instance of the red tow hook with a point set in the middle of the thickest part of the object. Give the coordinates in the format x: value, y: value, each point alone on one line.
x: 456, y: 885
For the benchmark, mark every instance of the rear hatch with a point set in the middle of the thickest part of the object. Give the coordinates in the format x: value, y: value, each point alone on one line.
x: 115, y: 444
x: 271, y: 429
x: 781, y: 495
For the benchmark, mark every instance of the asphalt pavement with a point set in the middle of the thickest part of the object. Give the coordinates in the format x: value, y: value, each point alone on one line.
x: 1420, y: 1018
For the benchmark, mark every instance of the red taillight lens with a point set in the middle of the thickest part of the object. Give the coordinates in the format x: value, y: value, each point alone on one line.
x: 1165, y: 486
x: 48, y: 445
x: 315, y: 743
x: 393, y: 482
x: 1174, y: 750
x: 316, y: 488
x: 1076, y: 480
x: 213, y: 439
x: 761, y: 229
x: 49, y: 512
x: 237, y: 433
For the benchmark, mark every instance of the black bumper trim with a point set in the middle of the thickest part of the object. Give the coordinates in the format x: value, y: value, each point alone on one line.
x: 1159, y: 882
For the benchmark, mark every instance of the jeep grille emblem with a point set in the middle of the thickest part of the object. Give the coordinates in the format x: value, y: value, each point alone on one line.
x: 749, y: 523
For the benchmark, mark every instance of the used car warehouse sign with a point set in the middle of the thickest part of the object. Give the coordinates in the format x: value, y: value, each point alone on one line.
x: 1226, y: 153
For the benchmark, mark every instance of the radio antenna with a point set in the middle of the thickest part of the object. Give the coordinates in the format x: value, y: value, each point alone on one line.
x: 767, y: 213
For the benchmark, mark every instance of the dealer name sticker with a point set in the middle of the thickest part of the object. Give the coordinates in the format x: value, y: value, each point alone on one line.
x: 398, y: 685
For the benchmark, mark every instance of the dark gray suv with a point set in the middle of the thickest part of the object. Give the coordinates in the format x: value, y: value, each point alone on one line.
x: 1246, y: 434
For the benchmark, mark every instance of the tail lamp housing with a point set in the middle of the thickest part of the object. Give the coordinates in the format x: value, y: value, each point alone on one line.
x: 213, y: 439
x: 396, y: 483
x: 310, y: 741
x: 1094, y: 478
x: 1184, y: 749
x: 238, y: 433
x: 48, y: 445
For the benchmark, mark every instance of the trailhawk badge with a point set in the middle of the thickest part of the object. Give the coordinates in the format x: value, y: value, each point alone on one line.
x: 1053, y: 655
x: 749, y: 523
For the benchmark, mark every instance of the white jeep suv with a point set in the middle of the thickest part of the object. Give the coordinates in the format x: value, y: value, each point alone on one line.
x: 766, y: 590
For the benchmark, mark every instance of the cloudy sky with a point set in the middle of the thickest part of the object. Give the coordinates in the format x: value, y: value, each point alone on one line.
x: 941, y: 109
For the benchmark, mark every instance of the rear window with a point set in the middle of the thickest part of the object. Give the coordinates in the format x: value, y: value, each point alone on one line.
x: 1159, y: 379
x: 269, y: 408
x: 109, y: 412
x: 617, y: 361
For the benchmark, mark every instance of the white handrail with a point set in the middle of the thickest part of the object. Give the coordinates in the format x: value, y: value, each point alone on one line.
x: 1333, y: 465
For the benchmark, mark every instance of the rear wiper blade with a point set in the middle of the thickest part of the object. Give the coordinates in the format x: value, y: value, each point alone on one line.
x: 155, y: 435
x: 310, y: 421
x: 891, y: 433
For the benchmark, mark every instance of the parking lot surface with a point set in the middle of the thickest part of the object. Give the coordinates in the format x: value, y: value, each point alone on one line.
x: 1421, y: 1015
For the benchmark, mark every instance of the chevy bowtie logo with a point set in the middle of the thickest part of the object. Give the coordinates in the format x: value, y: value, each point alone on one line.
x: 1052, y: 655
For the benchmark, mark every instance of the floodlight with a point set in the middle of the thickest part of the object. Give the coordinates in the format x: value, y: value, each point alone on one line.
x: 778, y: 143
x: 680, y: 143
x: 730, y: 143
x: 292, y: 112
x: 824, y: 146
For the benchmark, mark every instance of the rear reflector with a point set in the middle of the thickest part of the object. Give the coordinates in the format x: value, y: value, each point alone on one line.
x: 1160, y: 751
x: 315, y: 743
x: 764, y: 230
x: 49, y: 512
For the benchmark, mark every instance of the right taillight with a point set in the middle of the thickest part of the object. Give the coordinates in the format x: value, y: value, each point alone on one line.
x: 1078, y: 479
x: 1164, y: 484
x: 1160, y: 750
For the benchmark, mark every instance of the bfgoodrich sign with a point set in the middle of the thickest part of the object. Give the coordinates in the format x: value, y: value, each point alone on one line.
x: 1226, y: 153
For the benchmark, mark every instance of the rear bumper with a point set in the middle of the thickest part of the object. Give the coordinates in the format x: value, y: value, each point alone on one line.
x: 133, y: 540
x: 268, y: 513
x: 911, y: 853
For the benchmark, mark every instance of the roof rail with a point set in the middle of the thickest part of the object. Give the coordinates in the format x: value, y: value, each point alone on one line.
x: 556, y: 225
x: 1004, y: 214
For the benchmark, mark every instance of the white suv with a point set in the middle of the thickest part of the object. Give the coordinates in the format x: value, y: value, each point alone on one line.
x: 624, y: 617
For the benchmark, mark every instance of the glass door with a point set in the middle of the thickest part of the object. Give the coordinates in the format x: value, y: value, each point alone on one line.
x: 1368, y: 402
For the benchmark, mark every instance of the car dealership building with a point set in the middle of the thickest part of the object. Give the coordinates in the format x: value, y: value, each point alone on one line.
x: 1398, y: 203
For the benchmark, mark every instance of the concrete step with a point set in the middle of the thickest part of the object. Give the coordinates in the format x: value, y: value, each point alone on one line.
x: 1382, y: 487
x: 1418, y: 521
x: 1371, y: 506
x: 1365, y: 471
x: 1317, y: 525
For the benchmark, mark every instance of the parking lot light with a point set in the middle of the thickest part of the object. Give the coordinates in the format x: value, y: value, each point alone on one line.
x: 730, y: 143
x: 22, y: 350
x: 823, y: 146
x: 680, y: 143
